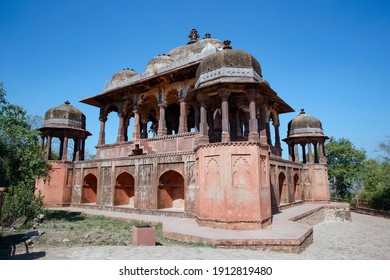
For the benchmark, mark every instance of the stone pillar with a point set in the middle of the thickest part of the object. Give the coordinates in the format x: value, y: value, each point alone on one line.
x: 296, y: 153
x: 144, y: 133
x: 42, y: 143
x: 225, y: 115
x: 197, y: 117
x: 102, y: 133
x: 253, y: 124
x: 65, y: 149
x: 183, y: 128
x: 309, y: 147
x: 262, y: 127
x: 303, y: 153
x: 316, y: 158
x: 238, y: 125
x: 277, y: 136
x: 121, y: 137
x: 203, y: 131
x: 162, y: 125
x: 136, y: 129
x: 48, y: 148
x: 76, y: 149
x: 210, y: 122
x: 268, y: 131
x: 322, y: 153
x: 61, y: 148
x: 291, y: 152
x: 82, y: 152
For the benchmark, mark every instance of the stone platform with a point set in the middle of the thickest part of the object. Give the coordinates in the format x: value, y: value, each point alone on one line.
x: 291, y: 229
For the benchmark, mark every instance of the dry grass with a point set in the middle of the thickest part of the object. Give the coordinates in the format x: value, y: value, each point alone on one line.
x: 69, y: 229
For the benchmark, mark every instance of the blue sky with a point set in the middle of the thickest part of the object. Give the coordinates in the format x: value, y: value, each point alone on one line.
x: 330, y: 57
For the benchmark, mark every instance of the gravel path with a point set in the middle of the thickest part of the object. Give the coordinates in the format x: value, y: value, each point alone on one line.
x: 364, y: 238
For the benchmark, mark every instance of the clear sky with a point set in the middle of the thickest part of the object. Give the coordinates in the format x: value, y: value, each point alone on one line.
x: 331, y: 57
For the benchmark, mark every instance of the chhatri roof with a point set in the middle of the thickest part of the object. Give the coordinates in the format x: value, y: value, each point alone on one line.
x: 304, y: 125
x: 64, y: 116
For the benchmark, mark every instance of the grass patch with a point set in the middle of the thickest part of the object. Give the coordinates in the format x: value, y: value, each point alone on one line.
x: 72, y: 229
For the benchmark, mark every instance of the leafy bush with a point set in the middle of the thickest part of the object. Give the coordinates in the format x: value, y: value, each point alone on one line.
x: 20, y: 201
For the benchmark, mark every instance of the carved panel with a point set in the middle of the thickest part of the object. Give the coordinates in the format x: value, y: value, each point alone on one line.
x: 213, y: 178
x: 241, y: 171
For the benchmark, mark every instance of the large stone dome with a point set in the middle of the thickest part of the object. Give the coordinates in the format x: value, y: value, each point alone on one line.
x: 204, y: 46
x: 64, y: 116
x: 123, y: 75
x: 228, y: 65
x: 228, y: 58
x: 305, y: 125
x: 157, y: 62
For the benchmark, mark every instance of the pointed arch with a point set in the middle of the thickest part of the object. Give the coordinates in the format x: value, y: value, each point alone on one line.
x: 297, y: 188
x: 124, y: 190
x: 89, y: 189
x: 283, y: 189
x: 170, y: 193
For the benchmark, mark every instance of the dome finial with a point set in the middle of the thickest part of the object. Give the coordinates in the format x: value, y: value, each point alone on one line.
x: 67, y: 102
x: 194, y: 35
x: 303, y: 111
x: 207, y: 36
x: 227, y: 45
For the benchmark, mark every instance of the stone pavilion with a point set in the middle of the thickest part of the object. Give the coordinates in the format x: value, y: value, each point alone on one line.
x: 197, y: 137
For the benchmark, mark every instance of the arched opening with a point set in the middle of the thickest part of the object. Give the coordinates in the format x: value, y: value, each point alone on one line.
x: 124, y: 190
x: 89, y: 191
x: 217, y: 118
x: 170, y: 193
x: 283, y: 189
x: 297, y: 188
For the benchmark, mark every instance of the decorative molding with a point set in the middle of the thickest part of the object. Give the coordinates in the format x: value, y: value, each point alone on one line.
x: 63, y: 122
x: 228, y: 72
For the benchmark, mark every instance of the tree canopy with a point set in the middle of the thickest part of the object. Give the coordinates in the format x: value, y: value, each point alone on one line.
x: 345, y: 166
x: 20, y: 159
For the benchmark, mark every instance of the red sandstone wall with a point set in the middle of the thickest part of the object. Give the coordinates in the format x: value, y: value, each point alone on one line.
x: 56, y: 191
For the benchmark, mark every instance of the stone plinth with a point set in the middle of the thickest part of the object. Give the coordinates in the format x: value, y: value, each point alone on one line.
x: 233, y: 186
x: 144, y: 236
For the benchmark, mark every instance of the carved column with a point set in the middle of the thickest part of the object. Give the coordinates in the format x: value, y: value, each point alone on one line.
x: 268, y: 130
x: 42, y: 143
x: 162, y: 125
x: 238, y: 125
x: 197, y: 117
x: 322, y: 153
x: 102, y: 133
x: 303, y: 153
x: 144, y: 124
x: 65, y: 149
x: 203, y: 134
x: 309, y: 147
x: 277, y: 135
x: 121, y: 137
x: 136, y: 129
x: 225, y: 115
x: 296, y: 153
x: 262, y: 126
x: 48, y: 148
x: 316, y: 158
x: 253, y: 124
x: 183, y: 128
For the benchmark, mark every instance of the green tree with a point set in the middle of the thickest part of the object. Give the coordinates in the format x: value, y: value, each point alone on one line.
x: 376, y: 179
x: 21, y: 161
x: 345, y: 166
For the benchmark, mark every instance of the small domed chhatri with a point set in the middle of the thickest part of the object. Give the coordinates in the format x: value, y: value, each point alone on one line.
x: 304, y: 124
x: 64, y: 122
x: 64, y: 116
